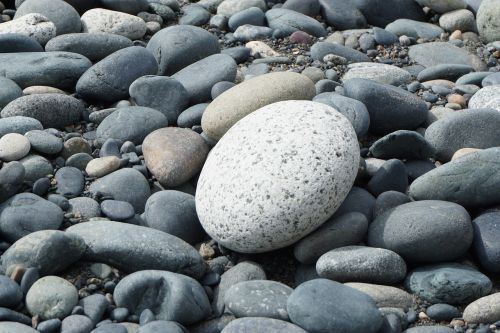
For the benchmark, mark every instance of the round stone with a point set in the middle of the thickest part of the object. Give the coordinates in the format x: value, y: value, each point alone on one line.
x: 248, y: 207
x: 51, y: 297
x: 44, y: 142
x: 487, y: 97
x: 18, y: 124
x: 13, y: 147
x: 10, y: 293
x: 487, y: 18
x: 100, y: 167
x: 117, y: 210
x: 84, y: 207
x: 9, y: 91
x: 486, y: 232
x: 484, y: 310
x: 442, y: 312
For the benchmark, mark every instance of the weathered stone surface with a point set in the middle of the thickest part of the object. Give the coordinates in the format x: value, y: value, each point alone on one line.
x: 32, y: 25
x: 113, y: 22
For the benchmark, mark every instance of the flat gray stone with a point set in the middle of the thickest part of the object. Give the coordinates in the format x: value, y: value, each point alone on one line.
x: 261, y: 325
x: 414, y: 29
x: 437, y: 53
x: 288, y: 21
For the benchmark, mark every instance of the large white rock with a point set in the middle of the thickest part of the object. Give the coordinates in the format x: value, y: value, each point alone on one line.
x: 487, y: 97
x: 33, y: 25
x: 382, y: 73
x: 277, y: 175
x: 118, y: 23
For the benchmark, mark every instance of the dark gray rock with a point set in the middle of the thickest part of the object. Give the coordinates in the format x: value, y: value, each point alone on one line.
x: 30, y: 276
x: 442, y: 312
x: 94, y: 46
x: 384, y: 37
x: 244, y: 271
x: 25, y: 213
x: 131, y: 123
x: 18, y: 124
x: 312, y: 304
x: 94, y: 306
x: 44, y: 142
x: 62, y: 14
x: 416, y: 169
x: 191, y: 116
x: 344, y: 230
x: 288, y: 21
x: 320, y: 49
x: 126, y: 6
x: 444, y: 71
x: 77, y: 324
x: 389, y: 200
x: 174, y: 212
x: 474, y: 128
x: 414, y: 29
x: 36, y: 167
x: 195, y: 15
x: 161, y: 93
x: 7, y: 315
x: 391, y: 176
x: 50, y: 326
x: 423, y: 231
x: 54, y: 69
x: 9, y: 91
x: 179, y: 46
x: 126, y: 185
x: 109, y: 80
x: 169, y: 295
x: 357, y: 200
x: 448, y: 283
x: 354, y: 110
x: 16, y: 42
x: 199, y: 77
x: 379, y: 266
x: 10, y: 293
x: 382, y: 12
x: 11, y: 179
x: 124, y: 248
x: 462, y: 180
x: 239, y: 53
x: 342, y: 15
x: 50, y: 251
x: 117, y: 210
x: 402, y: 144
x: 70, y: 182
x: 390, y: 108
x: 215, y: 325
x: 220, y: 87
x: 306, y: 7
x: 472, y: 78
x: 261, y: 325
x: 253, y: 16
x: 486, y: 233
x: 110, y: 328
x: 258, y: 298
x: 52, y: 110
x: 162, y: 326
x: 437, y: 53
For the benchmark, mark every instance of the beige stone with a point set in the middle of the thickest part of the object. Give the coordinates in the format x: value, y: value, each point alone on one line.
x: 484, y: 310
x: 100, y: 167
x: 462, y: 152
x: 384, y: 296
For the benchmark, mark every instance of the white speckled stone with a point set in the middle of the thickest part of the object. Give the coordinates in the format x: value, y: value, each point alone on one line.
x: 277, y: 175
x: 487, y: 97
x: 104, y: 20
x: 33, y: 25
x: 382, y: 73
x: 13, y: 147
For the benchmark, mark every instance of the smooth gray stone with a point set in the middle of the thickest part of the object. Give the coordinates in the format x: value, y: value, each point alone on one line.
x: 10, y: 327
x: 312, y: 304
x: 79, y: 160
x: 462, y: 180
x: 357, y: 200
x: 117, y: 210
x: 402, y: 144
x: 247, y: 33
x: 86, y: 207
x: 94, y: 306
x: 221, y: 87
x: 490, y: 80
x: 347, y: 229
x: 253, y: 16
x: 382, y: 12
x: 126, y: 6
x: 11, y: 179
x: 442, y: 312
x: 44, y: 142
x: 98, y: 116
x: 320, y: 49
x: 25, y: 213
x: 475, y: 78
x: 417, y: 168
x: 36, y: 167
x: 161, y: 93
x: 354, y: 110
x: 70, y: 182
x: 174, y: 212
x: 126, y: 185
x: 131, y: 123
x: 13, y: 316
x: 169, y: 295
x: 448, y: 283
x: 54, y: 69
x: 258, y: 298
x: 414, y: 29
x: 51, y: 110
x: 161, y: 326
x: 342, y: 15
x: 390, y: 108
x: 50, y: 326
x: 378, y: 265
x: 305, y: 273
x: 19, y: 124
x: 389, y: 200
x: 63, y: 15
x: 9, y: 91
x: 77, y: 324
x: 94, y: 46
x: 123, y: 247
x: 191, y: 116
x: 429, y: 329
x: 446, y: 72
x: 199, y: 77
x: 30, y: 276
x: 486, y: 247
x: 51, y: 251
x: 306, y: 7
x: 215, y: 325
x: 391, y: 176
x: 179, y: 46
x: 423, y: 231
x: 194, y: 14
x: 16, y: 42
x: 471, y: 128
x: 109, y: 80
x: 437, y: 53
x: 239, y: 53
x: 289, y: 21
x: 110, y: 328
x: 10, y: 293
x: 384, y: 37
x: 244, y: 271
x: 261, y: 325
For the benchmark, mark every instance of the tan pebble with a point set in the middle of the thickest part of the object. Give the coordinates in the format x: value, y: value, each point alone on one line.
x: 43, y: 90
x: 17, y: 273
x: 261, y: 48
x: 456, y: 98
x: 457, y: 322
x: 457, y: 34
x: 462, y: 152
x: 102, y: 166
x: 206, y: 251
x: 453, y: 106
x: 422, y: 316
